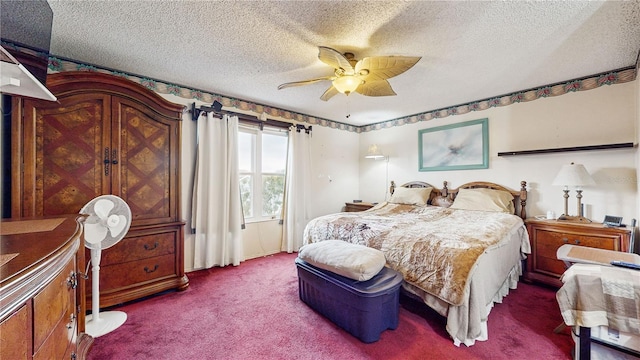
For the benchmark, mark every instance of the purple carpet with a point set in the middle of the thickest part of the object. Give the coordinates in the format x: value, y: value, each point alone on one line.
x: 252, y: 311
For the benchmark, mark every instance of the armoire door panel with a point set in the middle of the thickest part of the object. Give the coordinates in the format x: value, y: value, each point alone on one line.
x: 65, y: 164
x: 146, y: 176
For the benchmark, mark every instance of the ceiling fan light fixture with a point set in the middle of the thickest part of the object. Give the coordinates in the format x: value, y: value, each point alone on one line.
x: 347, y: 84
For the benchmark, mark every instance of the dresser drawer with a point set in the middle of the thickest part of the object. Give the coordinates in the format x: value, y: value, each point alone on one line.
x: 53, y: 348
x: 139, y: 248
x: 15, y: 334
x: 53, y: 305
x: 136, y: 272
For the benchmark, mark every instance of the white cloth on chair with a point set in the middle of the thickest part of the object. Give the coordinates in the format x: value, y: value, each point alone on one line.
x: 597, y: 295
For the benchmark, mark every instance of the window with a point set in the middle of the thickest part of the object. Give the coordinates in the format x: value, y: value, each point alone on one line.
x: 262, y: 158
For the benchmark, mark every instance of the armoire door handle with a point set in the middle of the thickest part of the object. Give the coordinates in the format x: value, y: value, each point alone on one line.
x: 107, y: 161
x: 114, y: 158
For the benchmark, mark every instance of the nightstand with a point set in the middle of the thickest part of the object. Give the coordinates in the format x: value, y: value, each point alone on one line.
x: 359, y: 206
x: 546, y: 236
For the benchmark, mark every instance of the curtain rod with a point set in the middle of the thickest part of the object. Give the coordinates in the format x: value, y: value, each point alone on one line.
x: 216, y: 108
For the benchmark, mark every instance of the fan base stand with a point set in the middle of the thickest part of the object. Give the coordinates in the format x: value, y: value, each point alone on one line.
x: 106, y: 322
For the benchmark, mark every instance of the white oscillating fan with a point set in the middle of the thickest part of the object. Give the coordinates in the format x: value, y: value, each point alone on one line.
x: 108, y: 221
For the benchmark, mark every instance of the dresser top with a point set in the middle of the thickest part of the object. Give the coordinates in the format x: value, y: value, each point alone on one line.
x: 27, y: 243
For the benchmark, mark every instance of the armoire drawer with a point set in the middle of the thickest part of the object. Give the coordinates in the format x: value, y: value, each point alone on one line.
x: 136, y: 272
x: 139, y: 248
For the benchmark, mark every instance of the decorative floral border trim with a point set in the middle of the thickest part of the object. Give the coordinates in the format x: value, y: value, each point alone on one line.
x: 60, y: 65
x: 589, y: 83
x: 620, y: 76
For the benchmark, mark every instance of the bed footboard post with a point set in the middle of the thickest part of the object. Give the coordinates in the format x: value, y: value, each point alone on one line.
x: 523, y: 199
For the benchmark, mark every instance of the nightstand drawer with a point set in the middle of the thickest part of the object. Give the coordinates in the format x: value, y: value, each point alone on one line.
x: 548, y: 241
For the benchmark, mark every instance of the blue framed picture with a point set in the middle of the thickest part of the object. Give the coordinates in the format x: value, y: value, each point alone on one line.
x: 460, y: 146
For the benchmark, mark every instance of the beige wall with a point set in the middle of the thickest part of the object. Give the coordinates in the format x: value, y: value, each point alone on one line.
x: 600, y: 116
x: 609, y: 114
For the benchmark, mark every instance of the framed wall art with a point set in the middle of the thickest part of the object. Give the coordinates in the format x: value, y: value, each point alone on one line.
x: 460, y: 146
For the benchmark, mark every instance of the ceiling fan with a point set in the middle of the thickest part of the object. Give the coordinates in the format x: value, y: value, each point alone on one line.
x: 367, y: 76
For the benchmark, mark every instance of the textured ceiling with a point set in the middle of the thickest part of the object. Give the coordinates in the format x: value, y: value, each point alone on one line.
x: 470, y: 50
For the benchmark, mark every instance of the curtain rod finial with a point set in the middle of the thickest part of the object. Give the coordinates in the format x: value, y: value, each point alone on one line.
x: 217, y: 106
x: 194, y: 112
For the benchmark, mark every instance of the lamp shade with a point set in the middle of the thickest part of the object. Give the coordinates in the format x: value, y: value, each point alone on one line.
x: 374, y: 152
x: 346, y: 84
x: 573, y: 175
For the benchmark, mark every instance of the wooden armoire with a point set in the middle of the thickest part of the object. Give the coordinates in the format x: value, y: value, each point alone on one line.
x: 106, y: 135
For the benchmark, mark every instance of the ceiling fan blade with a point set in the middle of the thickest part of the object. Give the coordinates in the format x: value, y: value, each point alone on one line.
x: 304, y: 82
x: 384, y: 67
x: 331, y: 91
x: 335, y: 59
x: 376, y: 88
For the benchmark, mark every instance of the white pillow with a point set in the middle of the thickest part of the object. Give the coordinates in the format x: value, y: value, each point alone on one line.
x: 484, y: 199
x: 411, y: 196
x: 354, y: 261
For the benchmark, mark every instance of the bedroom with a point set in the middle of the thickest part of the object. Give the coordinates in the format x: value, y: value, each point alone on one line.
x: 604, y: 115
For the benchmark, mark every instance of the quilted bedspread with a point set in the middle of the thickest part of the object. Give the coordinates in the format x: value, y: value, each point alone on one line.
x: 434, y: 248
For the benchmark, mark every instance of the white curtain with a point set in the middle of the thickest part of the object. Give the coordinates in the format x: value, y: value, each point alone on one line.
x: 216, y: 206
x: 297, y: 189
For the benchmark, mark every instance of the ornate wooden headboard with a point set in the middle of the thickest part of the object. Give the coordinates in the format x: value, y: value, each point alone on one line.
x: 418, y: 184
x: 445, y: 196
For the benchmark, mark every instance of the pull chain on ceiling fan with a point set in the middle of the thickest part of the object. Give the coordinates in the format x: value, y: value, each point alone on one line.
x: 367, y: 76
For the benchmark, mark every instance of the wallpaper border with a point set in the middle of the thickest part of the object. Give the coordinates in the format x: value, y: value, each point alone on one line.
x: 613, y: 77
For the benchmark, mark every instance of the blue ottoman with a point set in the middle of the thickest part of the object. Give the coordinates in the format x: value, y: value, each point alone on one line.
x: 363, y: 308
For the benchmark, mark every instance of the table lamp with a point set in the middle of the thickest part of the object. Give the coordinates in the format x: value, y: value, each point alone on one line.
x: 577, y: 176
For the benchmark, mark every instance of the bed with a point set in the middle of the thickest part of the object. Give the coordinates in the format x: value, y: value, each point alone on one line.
x: 459, y: 250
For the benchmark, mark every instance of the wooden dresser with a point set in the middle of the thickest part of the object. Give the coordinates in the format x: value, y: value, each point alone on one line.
x: 41, y: 292
x: 546, y: 236
x: 359, y: 206
x: 106, y: 135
